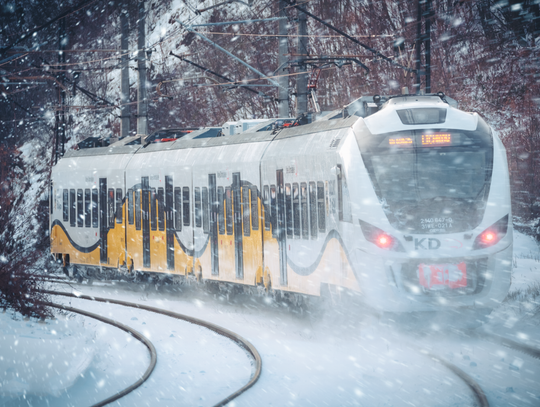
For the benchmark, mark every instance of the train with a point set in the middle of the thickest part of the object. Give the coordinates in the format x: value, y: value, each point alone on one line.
x: 403, y: 201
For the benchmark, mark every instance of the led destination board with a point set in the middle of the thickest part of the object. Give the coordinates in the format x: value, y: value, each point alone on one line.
x: 437, y: 139
x: 400, y: 141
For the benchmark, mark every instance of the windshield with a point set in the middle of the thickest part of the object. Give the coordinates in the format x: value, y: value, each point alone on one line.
x: 431, y: 181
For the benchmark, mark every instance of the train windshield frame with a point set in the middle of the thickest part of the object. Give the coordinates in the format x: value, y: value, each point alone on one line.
x: 431, y: 181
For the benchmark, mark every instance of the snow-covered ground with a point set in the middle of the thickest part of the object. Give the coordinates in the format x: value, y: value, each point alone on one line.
x: 341, y: 357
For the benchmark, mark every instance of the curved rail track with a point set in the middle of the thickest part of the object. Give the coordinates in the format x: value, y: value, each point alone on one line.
x: 475, y: 388
x: 136, y: 334
x: 239, y: 340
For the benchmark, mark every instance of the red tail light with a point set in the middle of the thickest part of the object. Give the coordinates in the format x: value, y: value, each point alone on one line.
x: 379, y: 238
x: 383, y: 241
x: 492, y: 235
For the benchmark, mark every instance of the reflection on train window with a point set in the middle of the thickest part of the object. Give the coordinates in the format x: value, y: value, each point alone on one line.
x: 205, y: 210
x: 95, y: 208
x: 321, y: 207
x: 138, y: 209
x: 185, y: 208
x: 313, y: 209
x: 266, y: 207
x: 87, y: 206
x: 288, y: 210
x: 161, y: 208
x: 254, y: 208
x: 305, y: 214
x: 178, y: 208
x: 340, y: 191
x: 65, y: 205
x: 119, y: 214
x: 296, y: 209
x: 72, y: 208
x: 111, y: 208
x: 245, y: 210
x: 198, y: 217
x: 80, y: 212
x: 221, y: 210
x: 228, y: 210
x: 153, y: 209
x: 273, y: 209
x: 131, y: 215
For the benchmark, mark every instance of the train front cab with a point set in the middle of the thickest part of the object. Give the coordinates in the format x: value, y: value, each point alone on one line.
x: 433, y: 217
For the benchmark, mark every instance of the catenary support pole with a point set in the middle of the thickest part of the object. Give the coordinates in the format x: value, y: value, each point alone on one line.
x: 124, y: 99
x: 418, y: 45
x: 427, y: 45
x: 301, y: 80
x: 142, y: 101
x: 283, y: 49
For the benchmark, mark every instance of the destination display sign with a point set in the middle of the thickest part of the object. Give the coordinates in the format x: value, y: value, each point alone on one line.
x: 400, y: 141
x: 437, y: 139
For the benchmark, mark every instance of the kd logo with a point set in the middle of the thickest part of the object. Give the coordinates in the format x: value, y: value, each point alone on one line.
x: 433, y: 244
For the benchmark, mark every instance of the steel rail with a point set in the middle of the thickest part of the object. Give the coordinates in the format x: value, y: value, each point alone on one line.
x: 136, y: 334
x: 242, y: 342
x: 469, y: 381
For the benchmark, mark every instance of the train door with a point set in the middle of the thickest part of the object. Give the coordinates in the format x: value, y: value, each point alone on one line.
x: 145, y: 186
x: 238, y: 247
x: 103, y: 221
x: 169, y: 221
x: 281, y: 228
x: 214, y: 207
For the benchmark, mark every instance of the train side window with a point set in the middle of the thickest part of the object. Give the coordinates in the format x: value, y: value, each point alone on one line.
x: 161, y: 208
x: 119, y: 214
x: 65, y: 205
x: 205, y: 210
x: 185, y: 202
x: 313, y: 209
x: 198, y: 217
x: 221, y: 210
x: 266, y: 207
x: 153, y: 209
x: 321, y: 207
x: 131, y: 215
x: 111, y: 207
x: 340, y: 192
x: 138, y: 209
x: 228, y: 210
x: 178, y: 208
x: 304, y: 206
x: 72, y: 208
x: 288, y: 210
x: 273, y: 209
x: 95, y: 207
x: 80, y: 209
x: 87, y: 211
x: 245, y: 210
x: 52, y: 198
x: 296, y: 209
x: 254, y: 208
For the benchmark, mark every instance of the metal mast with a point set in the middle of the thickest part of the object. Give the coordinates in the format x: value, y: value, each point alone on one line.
x: 124, y: 99
x: 142, y: 101
x: 283, y: 96
x: 301, y: 80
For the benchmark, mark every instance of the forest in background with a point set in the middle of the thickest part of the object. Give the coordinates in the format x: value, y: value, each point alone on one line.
x: 485, y: 54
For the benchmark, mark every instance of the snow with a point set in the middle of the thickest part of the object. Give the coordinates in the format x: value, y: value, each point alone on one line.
x: 344, y: 356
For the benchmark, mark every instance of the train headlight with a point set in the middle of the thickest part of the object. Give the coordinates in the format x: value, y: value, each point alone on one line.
x: 492, y: 234
x: 379, y: 238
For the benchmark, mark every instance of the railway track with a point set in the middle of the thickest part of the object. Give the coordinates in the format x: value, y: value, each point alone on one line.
x: 136, y: 334
x: 474, y: 387
x: 240, y: 341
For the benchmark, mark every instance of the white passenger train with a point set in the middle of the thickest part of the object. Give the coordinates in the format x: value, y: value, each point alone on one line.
x: 404, y: 200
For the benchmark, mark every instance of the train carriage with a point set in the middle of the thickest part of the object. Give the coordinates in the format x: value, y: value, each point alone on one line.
x: 404, y: 201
